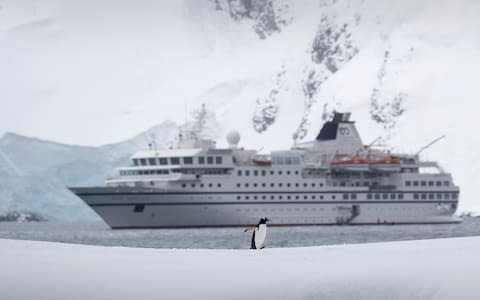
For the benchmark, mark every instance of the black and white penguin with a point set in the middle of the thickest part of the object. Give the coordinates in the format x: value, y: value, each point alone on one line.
x: 259, y: 233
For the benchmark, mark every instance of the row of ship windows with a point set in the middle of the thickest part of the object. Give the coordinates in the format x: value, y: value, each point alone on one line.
x: 278, y: 185
x: 153, y: 161
x: 354, y: 196
x: 263, y: 172
x: 280, y: 209
x: 426, y: 183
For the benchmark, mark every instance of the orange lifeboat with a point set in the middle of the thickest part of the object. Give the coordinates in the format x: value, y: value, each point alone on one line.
x: 262, y: 161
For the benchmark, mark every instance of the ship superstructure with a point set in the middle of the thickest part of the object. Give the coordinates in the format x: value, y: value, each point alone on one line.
x: 334, y: 179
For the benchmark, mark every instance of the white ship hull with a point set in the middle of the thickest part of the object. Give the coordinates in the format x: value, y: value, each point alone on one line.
x: 150, y: 209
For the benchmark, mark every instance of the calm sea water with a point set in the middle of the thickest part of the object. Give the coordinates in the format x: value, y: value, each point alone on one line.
x: 230, y: 238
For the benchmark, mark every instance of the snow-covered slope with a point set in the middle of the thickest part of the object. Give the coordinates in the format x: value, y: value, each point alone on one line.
x: 272, y: 69
x: 34, y: 174
x: 427, y: 269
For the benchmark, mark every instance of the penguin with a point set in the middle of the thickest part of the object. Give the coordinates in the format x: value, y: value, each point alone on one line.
x: 259, y: 233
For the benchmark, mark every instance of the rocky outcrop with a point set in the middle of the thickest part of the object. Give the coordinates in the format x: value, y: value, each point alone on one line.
x: 266, y: 108
x: 331, y: 49
x: 268, y: 16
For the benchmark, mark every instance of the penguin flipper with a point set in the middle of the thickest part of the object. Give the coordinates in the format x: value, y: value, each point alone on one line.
x: 250, y: 229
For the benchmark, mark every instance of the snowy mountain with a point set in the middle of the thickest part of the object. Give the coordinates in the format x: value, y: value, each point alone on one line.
x: 35, y: 173
x: 273, y: 70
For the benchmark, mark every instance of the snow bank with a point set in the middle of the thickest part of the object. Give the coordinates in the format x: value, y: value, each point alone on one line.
x: 428, y: 269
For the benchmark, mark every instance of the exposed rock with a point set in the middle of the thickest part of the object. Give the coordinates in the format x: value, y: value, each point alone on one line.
x: 268, y: 16
x: 267, y: 108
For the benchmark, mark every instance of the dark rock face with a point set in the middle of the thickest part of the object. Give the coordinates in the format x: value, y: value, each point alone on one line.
x: 332, y: 45
x: 268, y: 16
x: 267, y: 108
x: 387, y: 106
x: 331, y: 49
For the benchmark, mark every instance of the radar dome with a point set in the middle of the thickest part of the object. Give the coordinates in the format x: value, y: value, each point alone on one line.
x: 233, y: 137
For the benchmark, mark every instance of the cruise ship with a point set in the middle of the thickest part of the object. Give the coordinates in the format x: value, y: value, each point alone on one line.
x: 335, y: 179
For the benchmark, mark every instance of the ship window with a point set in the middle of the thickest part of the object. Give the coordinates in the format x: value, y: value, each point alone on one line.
x: 272, y: 197
x: 255, y: 197
x: 430, y: 183
x: 447, y: 196
x: 297, y: 197
x: 424, y: 196
x: 264, y: 173
x: 210, y: 160
x: 143, y: 161
x: 439, y: 196
x: 135, y: 162
x: 353, y: 196
x: 345, y: 196
x: 415, y: 183
x: 174, y: 160
x: 313, y: 197
x: 184, y: 185
x: 238, y: 197
x: 408, y: 183
x: 279, y: 185
x: 193, y: 185
x: 247, y: 197
x: 246, y: 184
x: 400, y: 196
x: 288, y: 172
x: 384, y: 196
x: 201, y: 185
x: 138, y: 208
x: 446, y: 183
x: 279, y: 172
x: 163, y: 161
x: 271, y: 172
x: 238, y: 185
x: 369, y: 196
x: 263, y: 184
x: 201, y: 160
x: 313, y: 184
x: 296, y: 184
x: 415, y: 196
x: 333, y: 197
x: 430, y: 196
x: 218, y: 160
x: 423, y: 183
x: 239, y: 172
x: 393, y: 196
x: 321, y: 184
x: 438, y: 183
x: 288, y: 184
x: 254, y: 185
x: 454, y: 195
x: 272, y: 185
x: 210, y: 185
x: 280, y: 197
x: 342, y: 183
x: 305, y: 197
x: 321, y: 197
x: 296, y: 172
x: 377, y: 196
x: 152, y: 162
x: 247, y: 173
x: 304, y: 185
x: 264, y: 197
x: 255, y: 173
x: 188, y: 160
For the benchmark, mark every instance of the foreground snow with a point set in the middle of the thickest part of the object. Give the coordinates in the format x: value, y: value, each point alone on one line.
x: 428, y: 269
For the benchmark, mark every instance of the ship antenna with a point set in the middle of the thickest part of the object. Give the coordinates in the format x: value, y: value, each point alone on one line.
x: 430, y: 144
